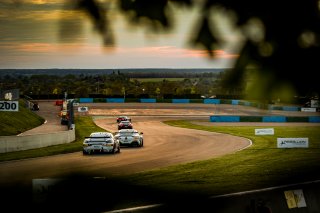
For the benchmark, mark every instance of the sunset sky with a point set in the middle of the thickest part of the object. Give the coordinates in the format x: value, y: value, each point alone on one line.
x: 49, y: 34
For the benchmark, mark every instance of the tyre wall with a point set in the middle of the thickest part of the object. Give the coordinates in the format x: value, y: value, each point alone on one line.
x: 236, y: 118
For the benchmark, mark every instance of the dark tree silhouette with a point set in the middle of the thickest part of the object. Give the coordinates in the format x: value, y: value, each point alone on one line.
x: 281, y: 45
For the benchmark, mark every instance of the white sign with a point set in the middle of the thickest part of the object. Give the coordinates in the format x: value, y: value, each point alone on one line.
x: 293, y: 142
x: 315, y: 103
x: 12, y: 106
x: 83, y: 109
x: 269, y: 131
x: 305, y: 109
x: 8, y: 96
x: 295, y: 199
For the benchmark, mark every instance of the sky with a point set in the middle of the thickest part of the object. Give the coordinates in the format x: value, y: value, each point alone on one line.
x: 41, y: 34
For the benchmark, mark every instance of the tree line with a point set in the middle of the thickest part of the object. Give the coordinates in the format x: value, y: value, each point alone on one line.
x: 119, y: 84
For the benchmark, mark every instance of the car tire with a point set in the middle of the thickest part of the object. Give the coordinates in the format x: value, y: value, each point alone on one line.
x: 141, y: 145
x: 114, y: 149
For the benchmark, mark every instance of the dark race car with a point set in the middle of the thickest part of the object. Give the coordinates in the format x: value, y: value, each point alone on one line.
x: 123, y: 118
x: 125, y: 125
x: 35, y: 107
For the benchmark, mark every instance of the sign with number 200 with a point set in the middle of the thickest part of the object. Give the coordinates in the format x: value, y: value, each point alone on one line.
x: 9, y: 106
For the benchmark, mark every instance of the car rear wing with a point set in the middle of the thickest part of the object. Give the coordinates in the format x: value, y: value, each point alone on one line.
x: 99, y: 137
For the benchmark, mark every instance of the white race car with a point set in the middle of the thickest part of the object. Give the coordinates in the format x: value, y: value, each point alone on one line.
x: 101, y: 142
x: 129, y: 137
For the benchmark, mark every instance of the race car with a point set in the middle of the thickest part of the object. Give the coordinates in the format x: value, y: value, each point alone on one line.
x: 129, y: 137
x: 125, y: 125
x: 101, y: 142
x: 35, y: 107
x: 123, y: 118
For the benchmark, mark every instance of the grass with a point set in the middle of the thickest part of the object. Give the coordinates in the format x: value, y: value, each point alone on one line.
x: 259, y: 166
x: 13, y: 123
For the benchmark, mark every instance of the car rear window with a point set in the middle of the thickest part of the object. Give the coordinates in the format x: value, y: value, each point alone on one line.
x: 125, y: 133
x: 100, y: 136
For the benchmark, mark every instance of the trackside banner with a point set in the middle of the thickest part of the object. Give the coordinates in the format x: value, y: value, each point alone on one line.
x: 293, y: 142
x: 268, y: 131
x: 308, y: 109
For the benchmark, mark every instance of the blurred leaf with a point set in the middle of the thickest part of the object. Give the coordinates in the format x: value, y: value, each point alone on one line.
x: 204, y: 36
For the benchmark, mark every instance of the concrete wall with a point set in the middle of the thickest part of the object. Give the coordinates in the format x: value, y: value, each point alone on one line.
x: 18, y: 143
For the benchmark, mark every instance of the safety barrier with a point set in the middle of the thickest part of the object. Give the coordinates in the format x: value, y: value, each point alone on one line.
x: 180, y: 101
x: 25, y: 142
x: 204, y: 101
x: 148, y: 100
x: 85, y: 100
x: 115, y: 100
x: 235, y: 118
x: 211, y: 101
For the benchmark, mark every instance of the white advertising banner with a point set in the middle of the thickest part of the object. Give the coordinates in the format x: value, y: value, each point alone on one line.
x: 268, y: 131
x: 293, y: 142
x: 83, y: 109
x: 295, y: 199
x: 305, y: 109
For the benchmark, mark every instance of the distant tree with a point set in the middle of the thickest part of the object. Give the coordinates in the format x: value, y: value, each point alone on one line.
x: 158, y: 92
x: 281, y: 39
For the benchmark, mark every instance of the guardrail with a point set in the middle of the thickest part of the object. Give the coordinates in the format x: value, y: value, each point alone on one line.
x: 25, y: 142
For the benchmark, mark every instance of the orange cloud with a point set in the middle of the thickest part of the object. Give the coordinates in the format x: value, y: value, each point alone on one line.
x: 174, y: 52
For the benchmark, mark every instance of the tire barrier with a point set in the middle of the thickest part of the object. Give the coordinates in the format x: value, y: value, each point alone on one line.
x: 148, y: 100
x: 234, y: 118
x: 204, y: 101
x: 85, y: 100
x: 180, y: 101
x: 115, y: 100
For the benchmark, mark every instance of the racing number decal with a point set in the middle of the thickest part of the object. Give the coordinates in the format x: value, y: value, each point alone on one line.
x: 8, y: 106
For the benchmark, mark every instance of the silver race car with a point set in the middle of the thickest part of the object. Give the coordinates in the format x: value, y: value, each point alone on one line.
x: 129, y: 137
x: 101, y: 142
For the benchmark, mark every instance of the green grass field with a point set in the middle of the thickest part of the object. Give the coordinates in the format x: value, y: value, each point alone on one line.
x: 13, y: 123
x: 259, y: 166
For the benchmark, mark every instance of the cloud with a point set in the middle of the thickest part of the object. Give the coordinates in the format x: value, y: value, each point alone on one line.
x: 175, y: 52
